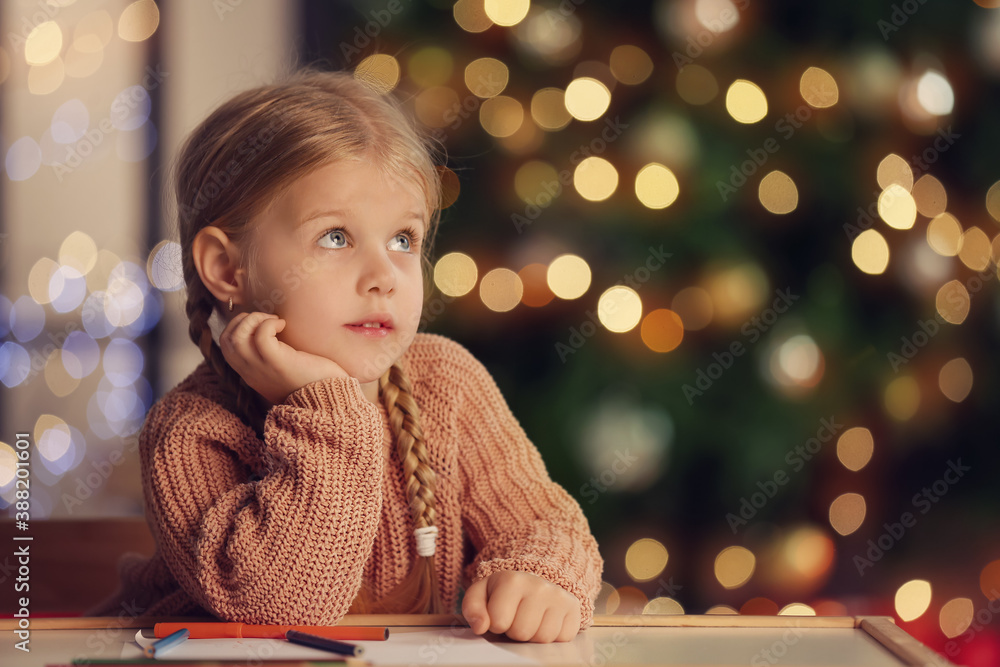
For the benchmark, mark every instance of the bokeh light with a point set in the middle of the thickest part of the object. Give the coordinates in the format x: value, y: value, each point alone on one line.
x: 139, y: 21
x: 855, y: 447
x: 745, y: 102
x: 734, y: 566
x: 847, y: 513
x: 777, y: 193
x: 870, y: 252
x: 486, y: 77
x: 587, y: 98
x: 818, y: 88
x: 506, y: 12
x: 955, y: 616
x: 630, y: 64
x: 595, y: 179
x: 694, y: 306
x: 902, y: 398
x: 944, y: 234
x: 455, y: 274
x: 568, y: 276
x: 953, y: 302
x: 912, y: 599
x: 379, y: 71
x: 896, y: 207
x: 894, y: 169
x: 955, y: 379
x: 662, y: 330
x: 656, y: 186
x: 645, y: 559
x: 500, y: 290
x: 619, y: 309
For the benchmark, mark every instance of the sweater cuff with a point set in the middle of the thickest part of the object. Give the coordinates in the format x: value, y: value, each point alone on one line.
x: 338, y: 395
x: 547, y: 572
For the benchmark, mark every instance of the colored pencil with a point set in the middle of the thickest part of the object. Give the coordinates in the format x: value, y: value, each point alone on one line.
x: 162, y: 645
x: 225, y: 630
x: 324, y: 643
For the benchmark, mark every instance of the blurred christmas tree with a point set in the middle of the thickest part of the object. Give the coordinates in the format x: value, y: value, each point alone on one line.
x: 733, y: 266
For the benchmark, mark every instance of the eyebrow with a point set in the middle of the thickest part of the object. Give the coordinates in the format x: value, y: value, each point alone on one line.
x: 347, y: 213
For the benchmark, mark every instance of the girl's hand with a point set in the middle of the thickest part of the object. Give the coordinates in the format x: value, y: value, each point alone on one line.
x: 273, y: 368
x: 525, y: 606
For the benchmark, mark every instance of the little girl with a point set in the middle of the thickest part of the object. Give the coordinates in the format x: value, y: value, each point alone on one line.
x: 326, y: 458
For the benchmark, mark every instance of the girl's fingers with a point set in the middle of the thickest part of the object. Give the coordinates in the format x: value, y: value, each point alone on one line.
x: 502, y: 606
x: 527, y: 620
x: 570, y: 628
x: 266, y: 339
x: 474, y: 607
x: 550, y: 626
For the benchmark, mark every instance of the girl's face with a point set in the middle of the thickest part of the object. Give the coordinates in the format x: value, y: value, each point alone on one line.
x: 335, y: 251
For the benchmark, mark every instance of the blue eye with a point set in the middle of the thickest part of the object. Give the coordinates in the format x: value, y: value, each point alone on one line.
x: 407, y: 240
x: 330, y: 233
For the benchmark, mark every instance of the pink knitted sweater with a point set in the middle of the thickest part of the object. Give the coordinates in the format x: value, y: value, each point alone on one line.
x: 283, y: 530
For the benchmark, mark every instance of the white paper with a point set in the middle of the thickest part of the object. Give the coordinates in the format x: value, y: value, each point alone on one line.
x: 444, y: 646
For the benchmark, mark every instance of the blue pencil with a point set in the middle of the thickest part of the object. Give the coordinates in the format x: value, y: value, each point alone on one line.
x: 168, y: 642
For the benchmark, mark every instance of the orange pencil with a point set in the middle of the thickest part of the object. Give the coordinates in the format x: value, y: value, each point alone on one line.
x: 225, y: 630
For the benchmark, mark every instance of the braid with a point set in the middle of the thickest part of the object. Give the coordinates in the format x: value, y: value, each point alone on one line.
x: 200, y: 304
x: 420, y: 591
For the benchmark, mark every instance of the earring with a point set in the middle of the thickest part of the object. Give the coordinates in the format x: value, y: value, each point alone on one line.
x: 230, y: 304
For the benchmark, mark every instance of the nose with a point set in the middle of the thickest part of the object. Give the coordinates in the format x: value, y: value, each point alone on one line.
x: 377, y: 272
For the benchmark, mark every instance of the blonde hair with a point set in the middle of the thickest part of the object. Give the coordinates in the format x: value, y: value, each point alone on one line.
x: 242, y: 156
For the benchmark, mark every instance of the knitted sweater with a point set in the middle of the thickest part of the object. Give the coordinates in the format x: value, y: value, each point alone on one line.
x: 282, y: 531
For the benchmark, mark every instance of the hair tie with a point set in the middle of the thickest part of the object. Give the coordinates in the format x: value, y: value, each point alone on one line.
x: 426, y: 540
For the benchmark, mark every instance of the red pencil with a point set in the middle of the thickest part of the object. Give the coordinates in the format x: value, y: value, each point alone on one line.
x: 246, y: 630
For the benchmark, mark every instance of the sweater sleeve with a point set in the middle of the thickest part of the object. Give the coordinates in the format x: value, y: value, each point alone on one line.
x: 284, y: 544
x: 515, y: 515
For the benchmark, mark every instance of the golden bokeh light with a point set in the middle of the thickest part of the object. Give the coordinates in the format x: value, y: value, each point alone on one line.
x: 955, y: 379
x: 645, y: 559
x: 777, y: 193
x: 630, y: 64
x: 807, y: 553
x: 797, y: 609
x: 43, y: 43
x: 587, y: 98
x: 894, y: 169
x: 855, y: 447
x: 724, y: 609
x: 912, y: 599
x: 631, y: 600
x: 896, y: 207
x: 501, y: 116
x: 568, y: 276
x: 486, y: 77
x: 430, y: 66
x: 847, y: 513
x: 595, y: 178
x: 534, y: 278
x: 380, y: 72
x: 455, y: 274
x: 993, y: 201
x: 953, y: 302
x: 734, y: 566
x: 662, y: 330
x: 619, y: 309
x: 737, y: 292
x: 450, y: 186
x: 97, y: 278
x: 694, y: 306
x: 470, y: 15
x: 506, y: 12
x: 97, y: 25
x: 57, y: 446
x: 870, y: 252
x: 818, y: 88
x: 78, y: 251
x: 989, y: 580
x: 139, y: 21
x: 39, y: 278
x: 548, y: 109
x: 975, y: 251
x: 535, y: 181
x: 902, y: 398
x: 435, y: 106
x: 663, y: 606
x: 8, y: 464
x: 58, y: 380
x: 656, y: 186
x: 501, y: 290
x: 83, y: 57
x: 930, y: 196
x: 944, y: 234
x: 955, y: 616
x: 696, y: 85
x: 745, y: 102
x: 797, y: 362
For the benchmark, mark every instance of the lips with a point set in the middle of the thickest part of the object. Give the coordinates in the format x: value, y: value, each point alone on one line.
x: 384, y: 320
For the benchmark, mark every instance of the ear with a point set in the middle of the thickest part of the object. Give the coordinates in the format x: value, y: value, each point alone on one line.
x: 217, y: 260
